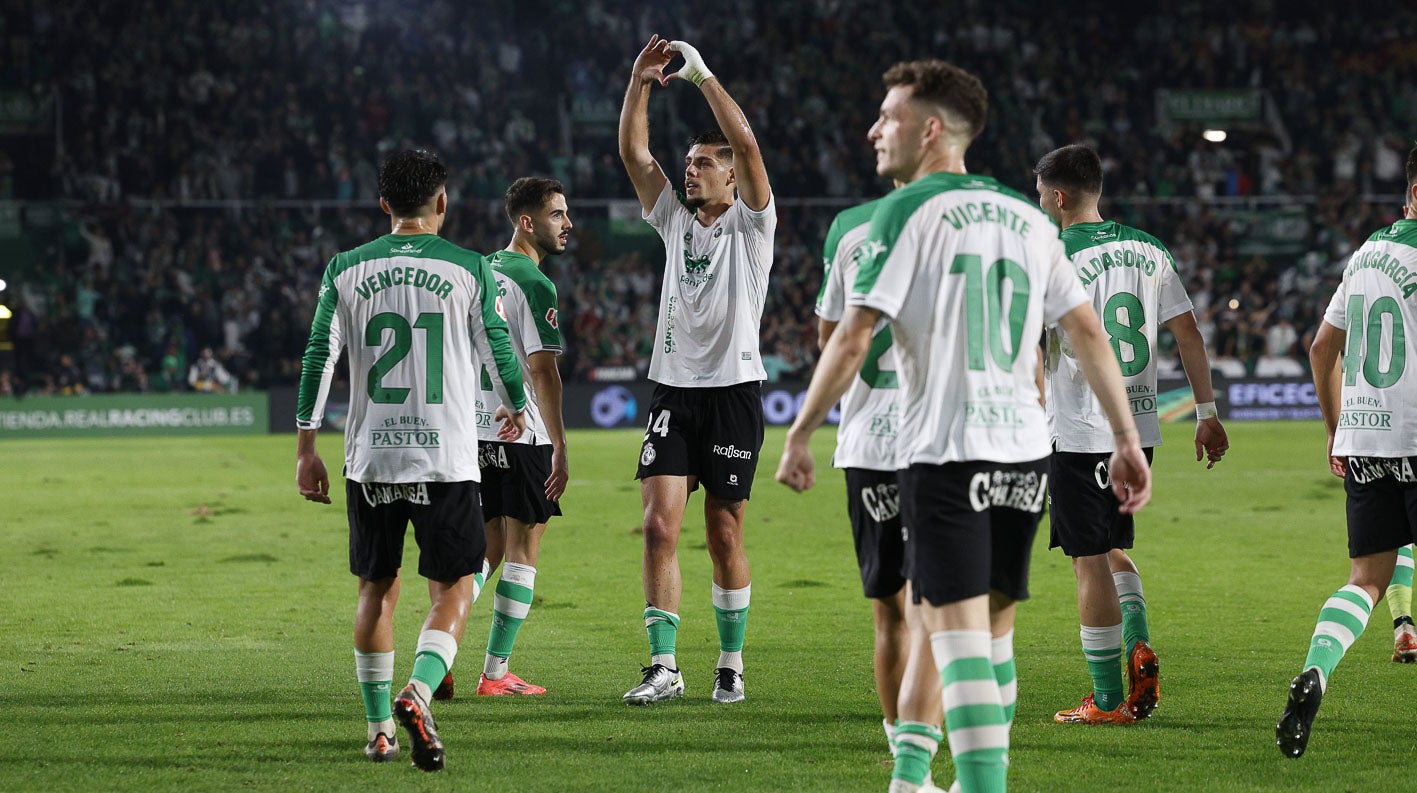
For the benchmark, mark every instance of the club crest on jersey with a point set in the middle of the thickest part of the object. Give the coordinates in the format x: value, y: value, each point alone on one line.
x: 717, y: 232
x: 688, y: 237
x: 551, y: 316
x: 648, y: 454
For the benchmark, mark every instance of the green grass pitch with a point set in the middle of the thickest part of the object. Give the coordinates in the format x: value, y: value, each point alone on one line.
x: 175, y: 617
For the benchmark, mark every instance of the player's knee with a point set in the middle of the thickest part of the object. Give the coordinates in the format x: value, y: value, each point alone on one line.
x: 661, y: 533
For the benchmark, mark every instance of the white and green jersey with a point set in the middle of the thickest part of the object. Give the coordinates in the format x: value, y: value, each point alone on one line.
x: 1134, y: 287
x: 715, y: 284
x: 1374, y: 305
x: 528, y: 300
x: 870, y: 410
x: 419, y: 315
x: 968, y: 272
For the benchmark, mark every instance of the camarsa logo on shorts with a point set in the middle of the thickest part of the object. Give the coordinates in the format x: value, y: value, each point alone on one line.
x: 1371, y: 469
x: 1020, y: 490
x: 732, y: 453
x: 882, y: 501
x: 489, y: 456
x: 376, y: 494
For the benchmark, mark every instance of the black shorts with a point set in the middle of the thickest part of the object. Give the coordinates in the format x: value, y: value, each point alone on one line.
x: 873, y: 502
x: 1082, y: 511
x: 447, y: 525
x: 969, y: 527
x: 1382, y: 503
x: 514, y: 481
x: 712, y: 434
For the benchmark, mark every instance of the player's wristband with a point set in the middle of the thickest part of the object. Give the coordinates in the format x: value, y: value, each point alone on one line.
x: 694, y: 69
x: 1206, y: 410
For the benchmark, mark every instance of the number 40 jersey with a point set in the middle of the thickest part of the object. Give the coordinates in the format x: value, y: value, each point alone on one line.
x: 419, y: 315
x: 1134, y: 287
x: 1378, y: 410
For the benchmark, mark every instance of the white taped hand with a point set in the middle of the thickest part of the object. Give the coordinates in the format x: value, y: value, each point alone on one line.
x: 694, y: 69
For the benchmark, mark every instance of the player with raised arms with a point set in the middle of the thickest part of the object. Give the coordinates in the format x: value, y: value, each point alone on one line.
x: 706, y: 417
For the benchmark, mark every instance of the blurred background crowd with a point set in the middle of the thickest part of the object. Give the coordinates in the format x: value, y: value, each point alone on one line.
x: 180, y: 189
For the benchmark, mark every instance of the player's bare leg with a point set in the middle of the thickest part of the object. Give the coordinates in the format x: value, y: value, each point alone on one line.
x: 891, y: 652
x: 920, y: 715
x: 511, y: 604
x: 664, y: 499
x: 1143, y: 667
x: 374, y: 663
x: 723, y: 521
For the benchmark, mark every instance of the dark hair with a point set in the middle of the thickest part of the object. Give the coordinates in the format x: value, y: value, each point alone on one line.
x: 1075, y: 168
x: 946, y: 85
x: 1411, y: 169
x: 529, y: 194
x: 715, y: 139
x: 410, y: 179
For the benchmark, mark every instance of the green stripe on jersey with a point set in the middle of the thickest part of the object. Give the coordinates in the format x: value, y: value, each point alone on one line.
x: 317, y: 350
x: 539, y: 290
x: 896, y: 209
x: 1403, y: 232
x: 845, y: 221
x: 1082, y: 236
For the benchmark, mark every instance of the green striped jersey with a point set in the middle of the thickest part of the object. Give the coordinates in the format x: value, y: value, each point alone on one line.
x: 968, y: 272
x: 1134, y: 286
x: 870, y: 411
x: 1374, y: 305
x: 528, y: 300
x: 419, y: 316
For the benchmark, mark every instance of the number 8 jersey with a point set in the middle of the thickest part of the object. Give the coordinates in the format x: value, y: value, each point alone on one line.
x: 1373, y: 304
x: 968, y: 272
x: 1134, y: 286
x: 419, y: 315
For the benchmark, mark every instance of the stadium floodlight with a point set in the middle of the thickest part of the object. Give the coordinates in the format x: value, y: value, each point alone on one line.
x: 1234, y: 304
x: 3, y: 284
x: 5, y: 312
x: 1214, y: 135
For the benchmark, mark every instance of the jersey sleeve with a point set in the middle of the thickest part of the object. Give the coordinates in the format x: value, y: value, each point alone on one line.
x: 494, y: 344
x: 668, y: 212
x: 317, y: 368
x: 886, y: 261
x: 1063, y: 290
x: 1337, y: 312
x: 541, y: 328
x: 1172, y: 300
x: 831, y: 298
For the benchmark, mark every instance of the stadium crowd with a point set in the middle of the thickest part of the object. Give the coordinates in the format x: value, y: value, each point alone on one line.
x: 296, y: 100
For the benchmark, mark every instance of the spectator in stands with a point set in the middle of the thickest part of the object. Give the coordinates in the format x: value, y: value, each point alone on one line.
x: 208, y: 375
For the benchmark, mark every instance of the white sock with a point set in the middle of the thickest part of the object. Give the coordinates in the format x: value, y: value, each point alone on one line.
x: 494, y: 667
x: 890, y: 734
x: 666, y: 661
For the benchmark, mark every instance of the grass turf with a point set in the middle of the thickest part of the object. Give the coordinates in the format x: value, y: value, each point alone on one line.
x: 175, y: 617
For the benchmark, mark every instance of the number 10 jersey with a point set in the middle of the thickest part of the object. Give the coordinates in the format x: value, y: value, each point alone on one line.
x: 419, y: 316
x: 968, y: 271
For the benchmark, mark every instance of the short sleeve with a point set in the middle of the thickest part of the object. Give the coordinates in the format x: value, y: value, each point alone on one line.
x: 1063, y: 291
x: 1172, y: 300
x: 1337, y: 312
x: 666, y: 211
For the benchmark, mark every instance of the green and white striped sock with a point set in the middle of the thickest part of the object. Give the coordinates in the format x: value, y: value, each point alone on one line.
x: 1133, y: 603
x: 730, y: 608
x: 1102, y: 647
x: 1399, y: 592
x: 1001, y: 655
x: 974, y: 712
x: 915, y: 746
x: 510, y: 606
x: 663, y: 629
x: 1341, y: 621
x: 375, y: 672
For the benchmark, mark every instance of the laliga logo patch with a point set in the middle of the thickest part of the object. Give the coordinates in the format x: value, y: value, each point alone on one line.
x: 551, y: 315
x: 500, y: 312
x: 647, y: 456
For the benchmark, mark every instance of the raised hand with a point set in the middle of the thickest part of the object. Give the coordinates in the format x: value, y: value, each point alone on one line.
x: 650, y: 63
